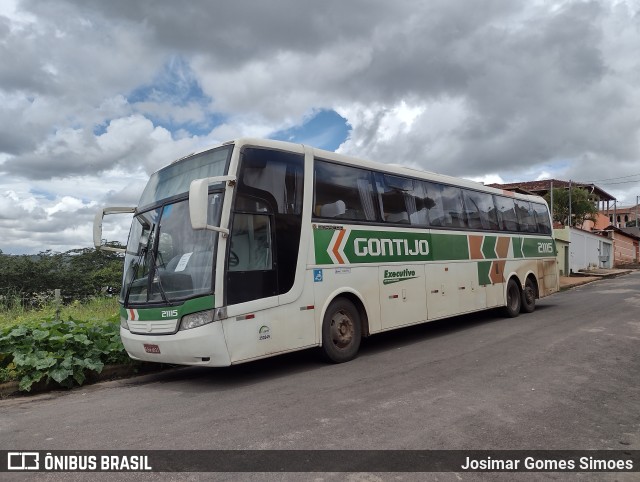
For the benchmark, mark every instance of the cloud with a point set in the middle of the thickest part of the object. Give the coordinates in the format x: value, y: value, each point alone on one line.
x: 511, y: 88
x: 128, y: 142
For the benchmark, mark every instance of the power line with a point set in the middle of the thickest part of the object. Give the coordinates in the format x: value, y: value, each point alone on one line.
x: 621, y: 182
x: 613, y: 178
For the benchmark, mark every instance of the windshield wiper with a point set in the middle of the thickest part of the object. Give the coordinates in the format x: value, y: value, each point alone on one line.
x: 155, y: 278
x: 144, y: 250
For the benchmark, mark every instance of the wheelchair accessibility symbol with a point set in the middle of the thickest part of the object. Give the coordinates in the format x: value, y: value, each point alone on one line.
x: 317, y: 276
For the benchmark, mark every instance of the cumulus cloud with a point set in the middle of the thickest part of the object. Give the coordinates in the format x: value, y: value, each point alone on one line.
x: 508, y: 89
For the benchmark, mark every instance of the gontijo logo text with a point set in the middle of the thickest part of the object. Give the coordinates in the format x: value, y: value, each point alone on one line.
x: 392, y: 247
x: 347, y: 246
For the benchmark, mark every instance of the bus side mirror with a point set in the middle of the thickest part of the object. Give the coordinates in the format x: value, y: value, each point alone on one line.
x: 199, y: 202
x: 97, y: 227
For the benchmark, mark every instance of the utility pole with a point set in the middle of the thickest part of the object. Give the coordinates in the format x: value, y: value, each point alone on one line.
x: 570, y: 224
x: 551, y: 198
x: 637, y: 211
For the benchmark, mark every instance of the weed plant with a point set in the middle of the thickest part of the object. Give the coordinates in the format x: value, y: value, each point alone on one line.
x: 13, y: 311
x: 58, y: 344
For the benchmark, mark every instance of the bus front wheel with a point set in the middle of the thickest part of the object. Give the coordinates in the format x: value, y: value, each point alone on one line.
x: 341, y: 331
x: 514, y: 299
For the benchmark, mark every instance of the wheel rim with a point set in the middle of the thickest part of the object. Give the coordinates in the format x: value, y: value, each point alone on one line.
x: 342, y: 329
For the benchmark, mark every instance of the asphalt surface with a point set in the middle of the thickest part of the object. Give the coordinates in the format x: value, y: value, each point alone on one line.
x: 564, y: 377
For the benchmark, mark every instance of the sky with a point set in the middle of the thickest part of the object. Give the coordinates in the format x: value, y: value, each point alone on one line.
x: 96, y: 95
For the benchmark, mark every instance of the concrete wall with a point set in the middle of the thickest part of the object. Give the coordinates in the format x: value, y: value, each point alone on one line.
x: 563, y: 259
x: 585, y: 249
x: 625, y: 250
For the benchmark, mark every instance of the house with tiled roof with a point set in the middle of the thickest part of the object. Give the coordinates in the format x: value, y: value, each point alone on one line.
x: 543, y: 186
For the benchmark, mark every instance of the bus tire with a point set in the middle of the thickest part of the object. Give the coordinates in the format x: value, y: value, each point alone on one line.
x: 514, y: 299
x: 341, y: 331
x: 529, y: 296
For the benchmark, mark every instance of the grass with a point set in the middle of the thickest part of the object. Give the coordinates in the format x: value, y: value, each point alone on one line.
x: 95, y: 309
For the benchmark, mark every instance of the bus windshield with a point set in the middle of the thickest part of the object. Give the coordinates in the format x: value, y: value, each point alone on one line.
x: 166, y: 260
x: 176, y: 178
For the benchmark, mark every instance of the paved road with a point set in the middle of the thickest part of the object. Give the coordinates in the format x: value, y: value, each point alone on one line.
x: 565, y: 377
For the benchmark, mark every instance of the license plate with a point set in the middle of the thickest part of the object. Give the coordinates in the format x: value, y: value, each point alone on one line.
x: 149, y: 348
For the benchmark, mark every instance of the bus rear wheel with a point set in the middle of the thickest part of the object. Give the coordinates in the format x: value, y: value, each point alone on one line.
x: 529, y: 296
x: 514, y: 299
x: 341, y: 331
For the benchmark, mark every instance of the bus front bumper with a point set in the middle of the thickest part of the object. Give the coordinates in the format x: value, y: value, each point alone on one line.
x: 203, y: 346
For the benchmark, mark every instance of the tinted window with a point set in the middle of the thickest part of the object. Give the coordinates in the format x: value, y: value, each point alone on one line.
x: 344, y: 192
x: 542, y: 218
x: 447, y: 209
x: 266, y: 225
x: 396, y: 198
x: 481, y: 213
x: 507, y: 217
x: 250, y: 243
x: 526, y: 217
x: 275, y: 177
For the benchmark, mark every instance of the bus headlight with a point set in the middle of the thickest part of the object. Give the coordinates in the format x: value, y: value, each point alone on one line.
x: 123, y: 323
x: 196, y: 319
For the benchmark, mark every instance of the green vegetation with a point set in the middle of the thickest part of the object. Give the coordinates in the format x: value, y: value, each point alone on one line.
x: 93, y: 310
x: 63, y: 352
x: 78, y: 273
x: 41, y: 339
x: 583, y: 206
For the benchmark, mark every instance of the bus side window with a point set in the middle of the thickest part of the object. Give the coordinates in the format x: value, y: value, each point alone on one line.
x: 251, y: 243
x: 507, y: 217
x: 396, y: 196
x: 526, y: 217
x: 448, y: 210
x: 344, y: 192
x: 480, y: 210
x: 542, y: 218
x: 275, y: 177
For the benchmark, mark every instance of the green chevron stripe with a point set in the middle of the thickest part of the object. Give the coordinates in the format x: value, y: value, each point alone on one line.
x: 370, y: 246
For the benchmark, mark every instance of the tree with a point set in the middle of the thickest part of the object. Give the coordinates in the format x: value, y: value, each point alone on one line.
x: 583, y: 206
x: 78, y: 272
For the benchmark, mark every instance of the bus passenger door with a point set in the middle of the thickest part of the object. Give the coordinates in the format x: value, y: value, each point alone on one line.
x: 262, y: 257
x: 402, y: 295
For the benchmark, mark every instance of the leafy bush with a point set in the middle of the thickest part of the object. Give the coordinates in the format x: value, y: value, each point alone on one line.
x: 63, y: 352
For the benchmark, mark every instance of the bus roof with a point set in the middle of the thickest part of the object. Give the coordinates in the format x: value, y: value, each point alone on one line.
x: 377, y: 166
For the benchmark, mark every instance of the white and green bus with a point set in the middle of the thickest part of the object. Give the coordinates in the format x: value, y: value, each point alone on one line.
x: 258, y: 247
